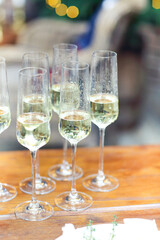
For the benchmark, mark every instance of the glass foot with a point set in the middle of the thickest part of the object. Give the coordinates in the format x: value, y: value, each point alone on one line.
x: 34, y: 212
x: 44, y: 185
x: 80, y: 202
x: 92, y: 183
x: 59, y: 173
x: 7, y: 192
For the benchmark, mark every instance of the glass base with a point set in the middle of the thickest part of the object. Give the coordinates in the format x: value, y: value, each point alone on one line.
x: 58, y: 173
x: 80, y: 202
x: 34, y: 212
x: 44, y: 185
x: 108, y: 184
x: 7, y: 193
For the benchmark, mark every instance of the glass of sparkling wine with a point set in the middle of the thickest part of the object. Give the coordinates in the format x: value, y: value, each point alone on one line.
x: 104, y: 111
x: 74, y: 125
x: 7, y: 192
x: 44, y: 185
x: 33, y: 132
x: 61, y: 53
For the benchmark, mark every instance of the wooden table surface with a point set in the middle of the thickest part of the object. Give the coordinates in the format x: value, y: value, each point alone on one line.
x: 138, y: 194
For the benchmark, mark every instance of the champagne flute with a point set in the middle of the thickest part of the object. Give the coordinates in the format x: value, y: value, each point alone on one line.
x: 44, y: 185
x: 74, y: 125
x: 33, y: 132
x: 62, y: 53
x: 7, y: 192
x: 104, y: 111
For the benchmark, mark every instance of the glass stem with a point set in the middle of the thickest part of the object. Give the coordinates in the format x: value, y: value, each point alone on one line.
x: 38, y: 177
x: 73, y: 188
x: 34, y: 168
x: 100, y: 175
x: 65, y: 164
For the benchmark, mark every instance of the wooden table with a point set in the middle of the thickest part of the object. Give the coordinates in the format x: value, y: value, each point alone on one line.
x: 138, y: 195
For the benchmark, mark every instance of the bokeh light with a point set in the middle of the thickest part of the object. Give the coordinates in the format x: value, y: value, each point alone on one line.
x: 156, y: 4
x: 72, y: 12
x: 61, y: 9
x: 53, y: 3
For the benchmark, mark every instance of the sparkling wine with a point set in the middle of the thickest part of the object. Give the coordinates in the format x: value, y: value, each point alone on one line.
x: 71, y: 95
x: 33, y: 130
x: 104, y: 109
x: 55, y: 97
x: 36, y: 103
x: 5, y: 118
x: 75, y: 125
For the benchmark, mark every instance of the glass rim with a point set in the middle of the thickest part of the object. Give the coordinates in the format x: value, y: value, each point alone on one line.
x: 2, y: 60
x: 98, y: 52
x: 85, y: 65
x: 22, y: 70
x: 61, y: 46
x: 35, y: 52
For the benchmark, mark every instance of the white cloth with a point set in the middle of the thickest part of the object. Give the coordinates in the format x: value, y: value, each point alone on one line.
x: 132, y: 229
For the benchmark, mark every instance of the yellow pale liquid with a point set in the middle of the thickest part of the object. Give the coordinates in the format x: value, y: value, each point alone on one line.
x: 5, y: 118
x: 104, y: 109
x: 33, y: 130
x: 36, y: 103
x: 55, y: 97
x: 75, y: 126
x: 70, y: 94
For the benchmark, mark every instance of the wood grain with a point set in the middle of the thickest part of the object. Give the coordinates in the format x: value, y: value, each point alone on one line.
x: 138, y: 195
